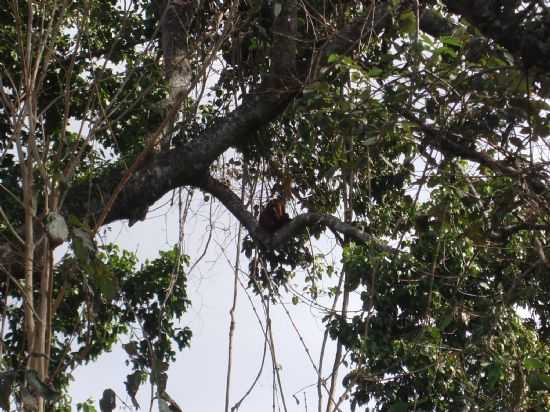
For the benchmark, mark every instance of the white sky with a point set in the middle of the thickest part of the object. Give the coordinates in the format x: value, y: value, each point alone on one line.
x: 197, y: 379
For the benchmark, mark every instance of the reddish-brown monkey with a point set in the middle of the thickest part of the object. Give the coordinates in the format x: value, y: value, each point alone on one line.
x: 273, y: 216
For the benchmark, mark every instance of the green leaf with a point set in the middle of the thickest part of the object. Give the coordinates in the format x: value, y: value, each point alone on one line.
x: 446, y: 51
x: 494, y: 374
x: 375, y: 72
x: 435, y: 333
x: 475, y: 232
x: 407, y: 22
x: 545, y: 380
x: 333, y: 58
x: 133, y: 382
x: 83, y: 244
x: 534, y: 363
x: 445, y: 321
x: 105, y: 280
x: 87, y: 406
x: 399, y: 406
x: 131, y: 348
x: 107, y: 403
x: 451, y: 41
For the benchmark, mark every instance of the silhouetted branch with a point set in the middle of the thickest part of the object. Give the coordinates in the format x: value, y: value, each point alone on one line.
x: 502, y: 22
x: 297, y: 226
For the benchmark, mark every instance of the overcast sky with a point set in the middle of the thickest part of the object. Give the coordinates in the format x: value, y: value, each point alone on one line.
x: 197, y: 379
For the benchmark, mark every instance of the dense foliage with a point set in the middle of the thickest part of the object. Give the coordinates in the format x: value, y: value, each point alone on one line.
x: 424, y: 125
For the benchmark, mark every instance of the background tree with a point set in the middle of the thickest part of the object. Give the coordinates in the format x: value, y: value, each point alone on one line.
x: 423, y: 124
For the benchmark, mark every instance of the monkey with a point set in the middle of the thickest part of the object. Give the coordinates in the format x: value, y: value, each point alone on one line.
x: 273, y: 216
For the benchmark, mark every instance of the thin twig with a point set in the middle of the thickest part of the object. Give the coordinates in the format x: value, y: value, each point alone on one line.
x: 234, y: 303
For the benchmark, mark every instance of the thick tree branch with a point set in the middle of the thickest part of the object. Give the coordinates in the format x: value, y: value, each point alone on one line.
x: 185, y: 165
x: 500, y: 21
x: 188, y: 164
x: 174, y: 20
x: 297, y: 226
x: 303, y: 221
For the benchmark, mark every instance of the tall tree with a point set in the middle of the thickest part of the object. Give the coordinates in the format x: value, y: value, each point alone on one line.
x: 425, y: 122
